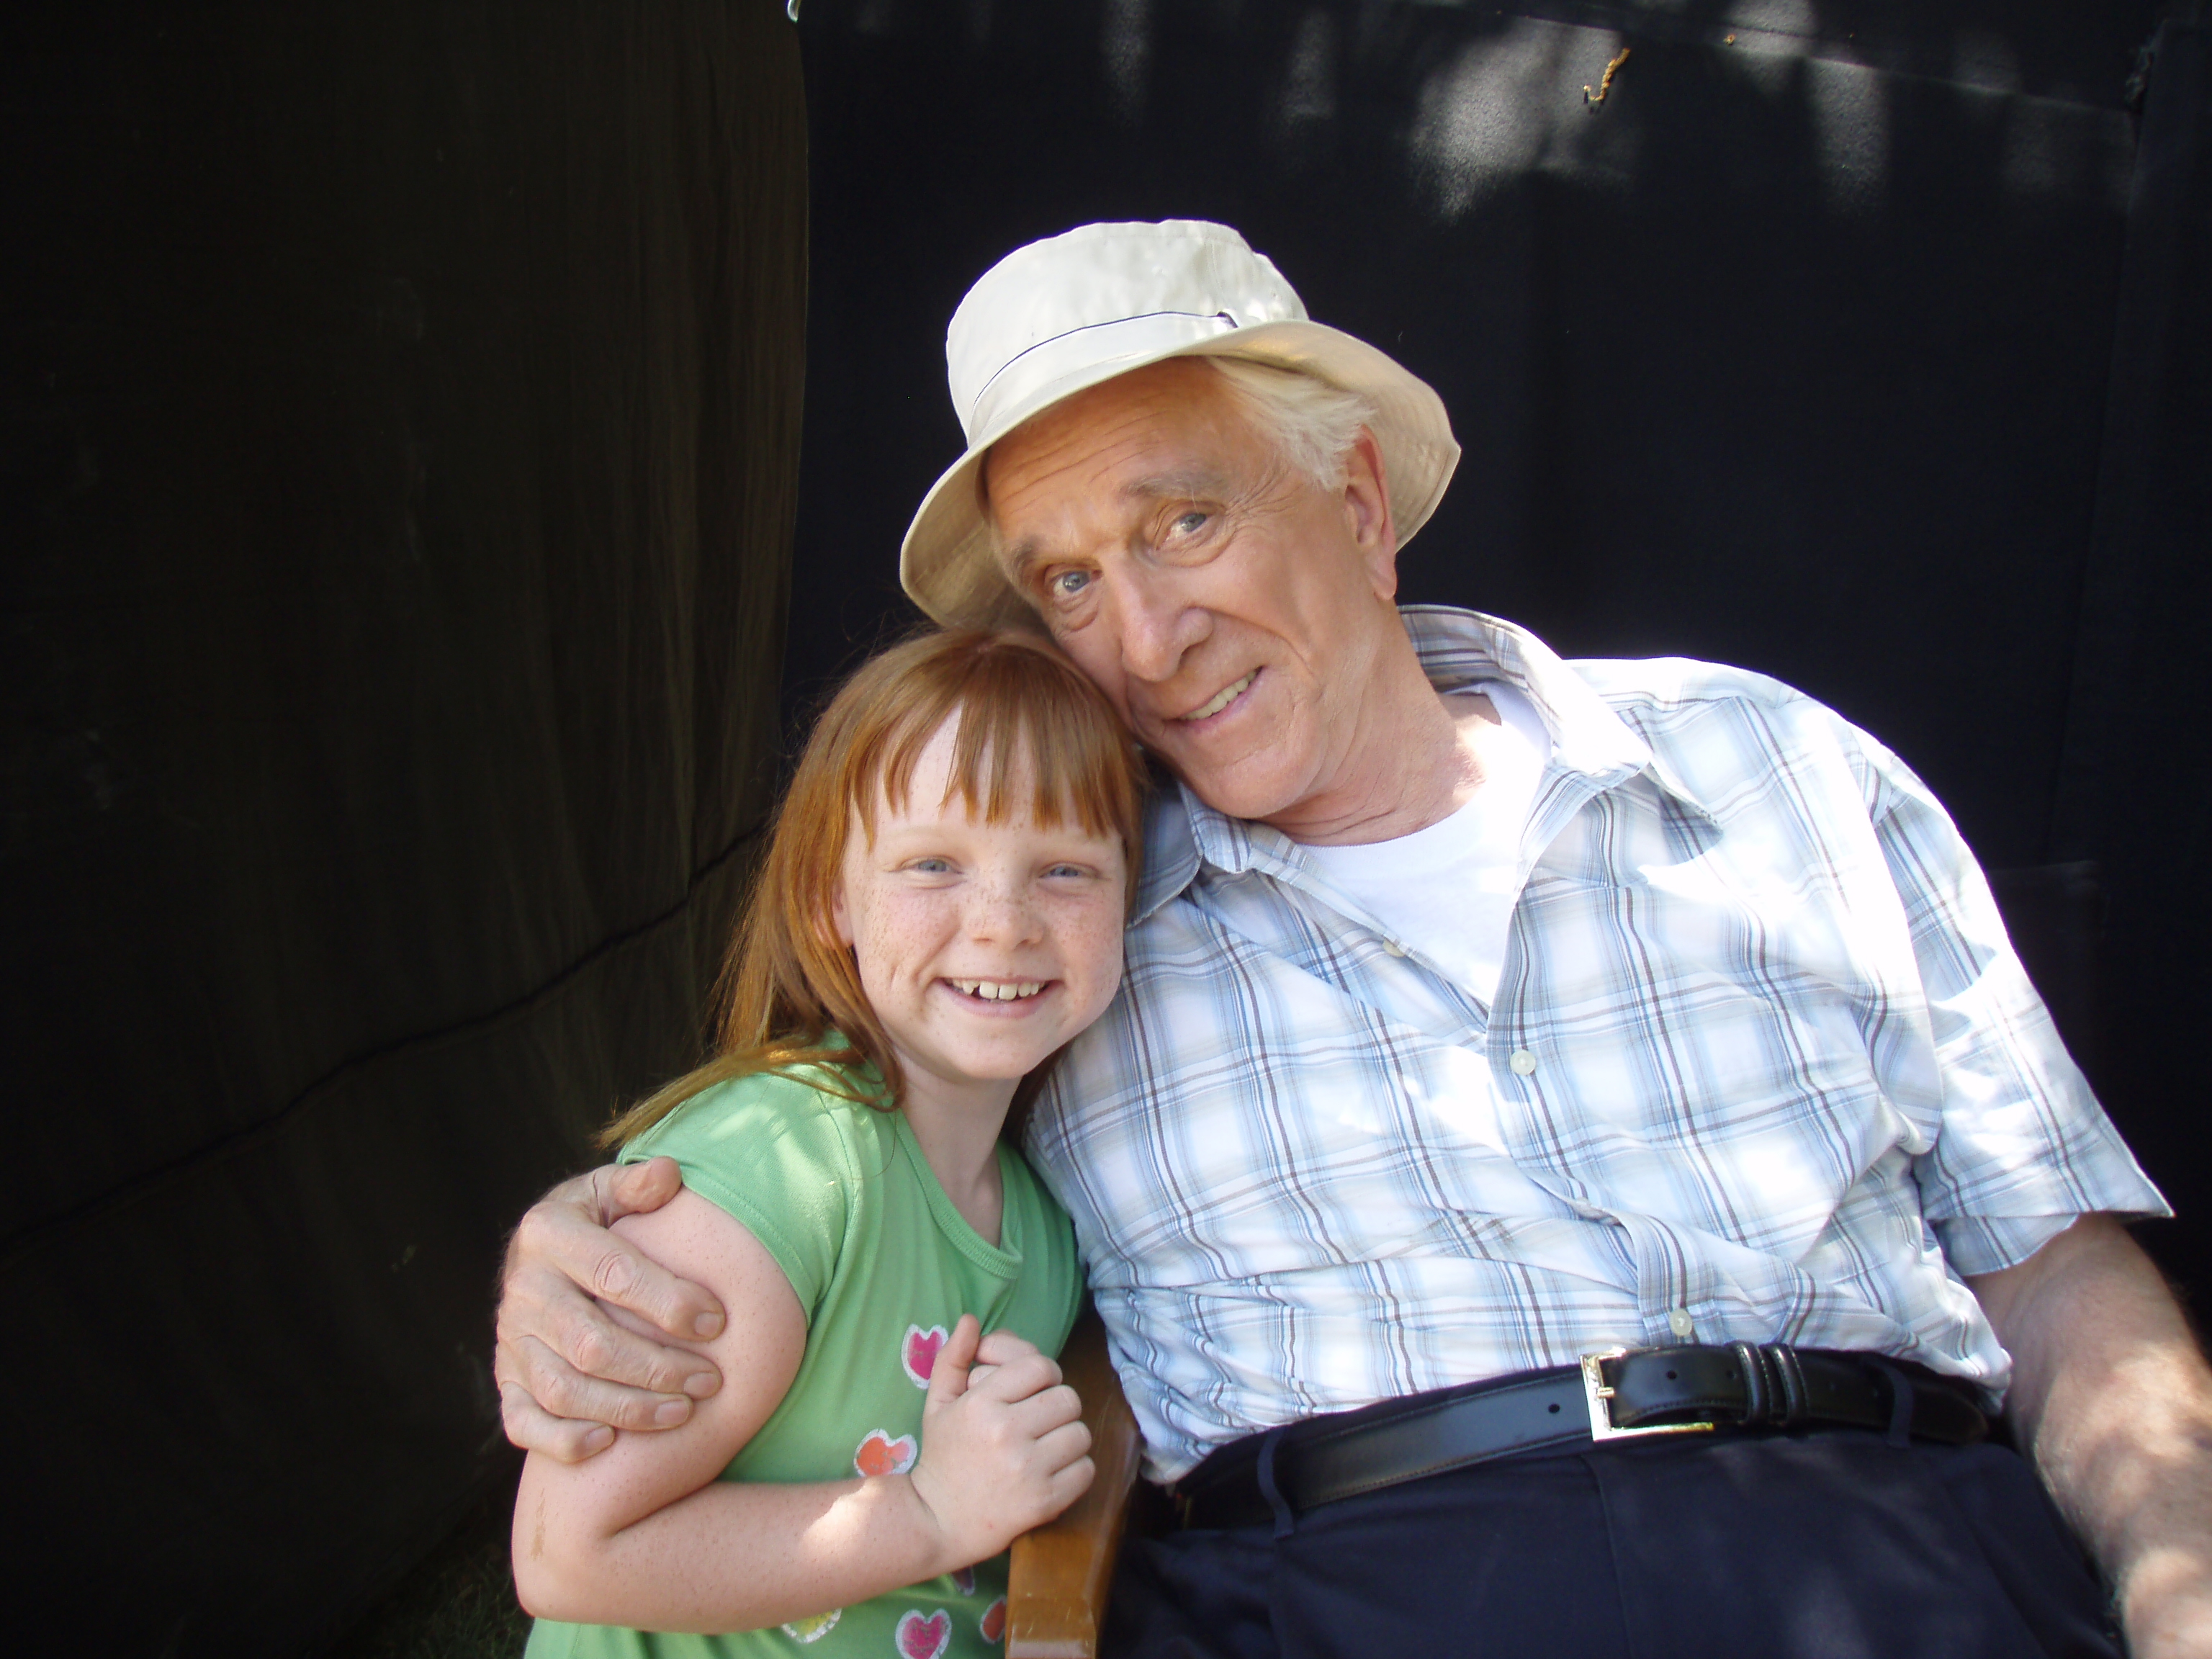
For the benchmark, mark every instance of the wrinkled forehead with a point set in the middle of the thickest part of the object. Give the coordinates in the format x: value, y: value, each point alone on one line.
x: 1144, y: 437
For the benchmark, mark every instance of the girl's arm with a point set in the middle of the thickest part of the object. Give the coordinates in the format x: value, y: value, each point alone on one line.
x: 645, y: 1536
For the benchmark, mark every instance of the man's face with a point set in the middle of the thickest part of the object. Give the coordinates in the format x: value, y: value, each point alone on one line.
x: 1231, y: 607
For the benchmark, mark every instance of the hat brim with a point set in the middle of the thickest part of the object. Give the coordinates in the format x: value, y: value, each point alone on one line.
x: 949, y: 565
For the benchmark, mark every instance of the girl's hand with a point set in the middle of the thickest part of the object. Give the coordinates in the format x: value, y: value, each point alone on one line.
x: 1002, y: 1451
x: 996, y: 1348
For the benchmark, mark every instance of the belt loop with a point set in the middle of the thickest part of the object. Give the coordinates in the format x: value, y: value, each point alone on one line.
x: 1285, y: 1523
x: 1900, y: 1400
x: 1789, y: 1384
x: 1758, y: 1403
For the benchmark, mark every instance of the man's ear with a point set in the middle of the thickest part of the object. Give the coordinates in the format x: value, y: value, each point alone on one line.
x: 1367, y: 509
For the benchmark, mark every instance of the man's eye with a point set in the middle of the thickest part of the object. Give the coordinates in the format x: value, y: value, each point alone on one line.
x: 1066, y: 584
x: 1191, y: 523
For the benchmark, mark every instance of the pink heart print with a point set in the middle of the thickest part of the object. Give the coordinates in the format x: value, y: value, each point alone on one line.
x: 924, y: 1638
x: 964, y: 1580
x: 918, y: 1353
x: 880, y: 1453
x: 993, y: 1625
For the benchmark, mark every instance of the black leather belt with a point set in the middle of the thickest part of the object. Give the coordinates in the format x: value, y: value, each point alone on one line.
x: 1610, y: 1396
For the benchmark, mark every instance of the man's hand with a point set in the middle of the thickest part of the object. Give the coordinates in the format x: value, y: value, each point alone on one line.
x: 1002, y: 1444
x: 2111, y: 1397
x: 568, y: 1375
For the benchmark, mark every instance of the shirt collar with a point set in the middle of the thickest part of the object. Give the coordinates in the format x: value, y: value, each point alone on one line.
x: 1591, y: 746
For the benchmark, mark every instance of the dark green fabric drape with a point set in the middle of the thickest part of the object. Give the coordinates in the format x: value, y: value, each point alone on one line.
x: 402, y: 415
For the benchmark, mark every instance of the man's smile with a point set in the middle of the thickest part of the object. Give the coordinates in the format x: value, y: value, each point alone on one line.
x: 1219, y: 701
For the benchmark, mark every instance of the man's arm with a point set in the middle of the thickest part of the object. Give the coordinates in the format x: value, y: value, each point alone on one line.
x: 566, y: 1372
x: 648, y: 1536
x: 2113, y: 1398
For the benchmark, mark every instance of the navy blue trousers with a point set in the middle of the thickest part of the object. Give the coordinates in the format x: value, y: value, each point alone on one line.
x: 1828, y: 1545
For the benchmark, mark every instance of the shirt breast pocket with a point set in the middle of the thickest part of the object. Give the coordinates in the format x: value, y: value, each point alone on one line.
x: 1692, y: 1031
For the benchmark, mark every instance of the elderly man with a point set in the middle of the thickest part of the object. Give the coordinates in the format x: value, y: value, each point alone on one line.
x: 1513, y: 1054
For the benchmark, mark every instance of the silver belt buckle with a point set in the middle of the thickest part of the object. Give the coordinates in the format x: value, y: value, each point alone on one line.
x: 1597, y: 1391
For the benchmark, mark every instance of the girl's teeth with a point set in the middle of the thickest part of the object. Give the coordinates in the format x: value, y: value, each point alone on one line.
x: 1221, y: 699
x: 991, y: 992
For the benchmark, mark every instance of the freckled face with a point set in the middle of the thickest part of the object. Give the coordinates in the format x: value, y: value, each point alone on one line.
x: 1233, y: 609
x: 982, y: 947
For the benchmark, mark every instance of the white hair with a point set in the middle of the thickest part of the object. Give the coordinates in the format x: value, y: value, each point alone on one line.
x: 1312, y: 423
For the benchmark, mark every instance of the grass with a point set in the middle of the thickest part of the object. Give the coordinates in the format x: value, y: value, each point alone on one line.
x: 458, y: 1604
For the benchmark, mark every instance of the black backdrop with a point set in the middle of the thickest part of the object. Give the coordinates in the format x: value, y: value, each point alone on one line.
x: 401, y: 425
x: 399, y: 412
x: 1861, y: 343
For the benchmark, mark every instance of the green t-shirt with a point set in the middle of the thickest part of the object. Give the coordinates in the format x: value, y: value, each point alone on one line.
x: 839, y: 1195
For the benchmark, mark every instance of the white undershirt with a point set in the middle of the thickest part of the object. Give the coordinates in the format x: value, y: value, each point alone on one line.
x: 1446, y: 892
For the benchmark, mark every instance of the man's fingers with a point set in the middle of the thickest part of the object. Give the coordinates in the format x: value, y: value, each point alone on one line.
x: 563, y: 1439
x: 566, y: 1233
x: 618, y: 1273
x: 562, y: 1391
x: 572, y: 1206
x: 635, y: 1188
x: 583, y: 1337
x: 608, y: 1267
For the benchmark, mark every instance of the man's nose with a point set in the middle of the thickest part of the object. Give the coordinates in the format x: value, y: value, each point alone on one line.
x: 1156, y: 625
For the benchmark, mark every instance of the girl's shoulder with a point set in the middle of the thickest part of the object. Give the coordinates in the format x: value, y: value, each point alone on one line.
x: 784, y: 1154
x: 804, y: 1115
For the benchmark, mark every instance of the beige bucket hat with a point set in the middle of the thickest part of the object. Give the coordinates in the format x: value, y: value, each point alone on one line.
x: 1058, y: 316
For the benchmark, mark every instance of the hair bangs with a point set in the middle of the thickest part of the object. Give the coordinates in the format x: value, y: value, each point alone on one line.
x: 1031, y: 739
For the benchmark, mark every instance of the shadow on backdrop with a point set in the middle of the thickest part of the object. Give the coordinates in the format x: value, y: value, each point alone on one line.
x: 1851, y: 343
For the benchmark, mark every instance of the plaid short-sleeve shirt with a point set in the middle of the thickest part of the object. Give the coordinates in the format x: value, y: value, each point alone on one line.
x: 1762, y: 1065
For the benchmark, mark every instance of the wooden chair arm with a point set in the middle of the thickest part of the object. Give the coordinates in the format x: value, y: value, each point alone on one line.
x: 1058, y: 1578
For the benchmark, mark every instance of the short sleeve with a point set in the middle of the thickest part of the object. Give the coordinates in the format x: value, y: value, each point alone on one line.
x: 777, y: 1154
x: 2024, y: 1147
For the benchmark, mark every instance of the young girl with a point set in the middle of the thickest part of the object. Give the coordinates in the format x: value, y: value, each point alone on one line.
x: 940, y: 910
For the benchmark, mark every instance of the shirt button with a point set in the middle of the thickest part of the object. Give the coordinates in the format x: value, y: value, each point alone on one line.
x: 1523, y: 1062
x: 1392, y: 947
x: 1681, y: 1324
